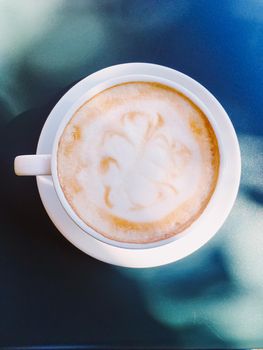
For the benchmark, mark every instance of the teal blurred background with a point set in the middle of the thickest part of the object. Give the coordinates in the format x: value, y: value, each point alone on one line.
x: 51, y: 293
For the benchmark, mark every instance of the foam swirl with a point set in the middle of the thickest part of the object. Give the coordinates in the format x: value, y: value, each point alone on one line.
x: 145, y: 180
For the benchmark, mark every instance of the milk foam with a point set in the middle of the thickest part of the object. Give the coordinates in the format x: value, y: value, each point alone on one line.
x: 138, y: 162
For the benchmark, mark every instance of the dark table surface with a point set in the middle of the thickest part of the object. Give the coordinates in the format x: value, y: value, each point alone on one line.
x: 51, y: 294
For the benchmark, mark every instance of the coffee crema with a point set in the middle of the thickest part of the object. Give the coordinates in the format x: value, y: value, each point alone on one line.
x: 138, y: 162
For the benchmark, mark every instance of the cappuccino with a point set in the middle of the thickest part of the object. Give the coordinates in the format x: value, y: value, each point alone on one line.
x: 138, y: 162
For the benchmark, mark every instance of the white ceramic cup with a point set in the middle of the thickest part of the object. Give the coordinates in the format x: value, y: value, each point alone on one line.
x: 229, y: 171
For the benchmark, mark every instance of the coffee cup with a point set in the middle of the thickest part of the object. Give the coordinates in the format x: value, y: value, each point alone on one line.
x: 138, y: 161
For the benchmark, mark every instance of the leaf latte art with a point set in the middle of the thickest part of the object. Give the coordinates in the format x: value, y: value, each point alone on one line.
x: 138, y: 162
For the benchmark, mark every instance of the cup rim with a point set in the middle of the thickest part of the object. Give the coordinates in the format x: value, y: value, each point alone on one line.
x: 212, y: 205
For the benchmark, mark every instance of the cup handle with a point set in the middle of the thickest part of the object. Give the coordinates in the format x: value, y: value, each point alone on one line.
x: 33, y: 164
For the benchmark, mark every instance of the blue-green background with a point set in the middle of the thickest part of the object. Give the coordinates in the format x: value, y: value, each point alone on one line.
x: 53, y: 294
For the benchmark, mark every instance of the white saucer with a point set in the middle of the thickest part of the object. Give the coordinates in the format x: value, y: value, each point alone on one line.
x: 149, y: 257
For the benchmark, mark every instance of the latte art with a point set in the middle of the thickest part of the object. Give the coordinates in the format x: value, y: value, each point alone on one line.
x: 138, y: 162
x: 138, y: 166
